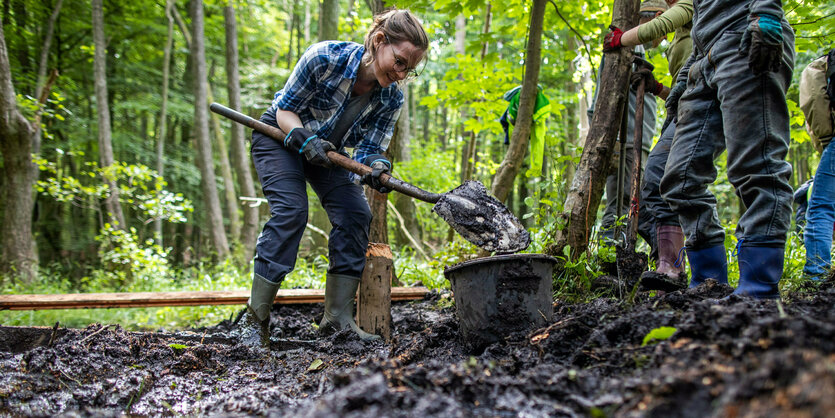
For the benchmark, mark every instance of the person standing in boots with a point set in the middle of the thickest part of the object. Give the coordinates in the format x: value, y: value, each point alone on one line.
x: 648, y: 10
x: 817, y: 101
x: 736, y: 82
x: 669, y: 237
x: 340, y: 94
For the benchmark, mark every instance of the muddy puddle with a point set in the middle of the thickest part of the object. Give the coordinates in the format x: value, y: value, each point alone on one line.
x: 729, y: 357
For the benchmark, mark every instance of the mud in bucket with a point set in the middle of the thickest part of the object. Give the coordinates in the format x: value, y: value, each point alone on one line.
x: 497, y: 296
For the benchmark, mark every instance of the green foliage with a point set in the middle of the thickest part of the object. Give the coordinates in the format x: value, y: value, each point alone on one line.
x: 658, y: 334
x: 125, y: 259
x: 139, y: 187
x: 412, y: 271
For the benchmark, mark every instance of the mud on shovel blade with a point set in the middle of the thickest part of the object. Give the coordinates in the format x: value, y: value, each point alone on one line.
x: 482, y: 219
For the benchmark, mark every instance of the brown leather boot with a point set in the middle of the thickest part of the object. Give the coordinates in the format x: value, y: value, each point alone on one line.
x: 666, y: 275
x: 670, y: 242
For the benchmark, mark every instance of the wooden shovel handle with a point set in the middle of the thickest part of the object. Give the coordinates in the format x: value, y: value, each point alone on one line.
x: 335, y: 157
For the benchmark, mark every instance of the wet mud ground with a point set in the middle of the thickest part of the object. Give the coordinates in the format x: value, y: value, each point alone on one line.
x: 732, y: 357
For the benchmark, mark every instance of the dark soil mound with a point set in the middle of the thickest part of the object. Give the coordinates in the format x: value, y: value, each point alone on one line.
x: 727, y: 357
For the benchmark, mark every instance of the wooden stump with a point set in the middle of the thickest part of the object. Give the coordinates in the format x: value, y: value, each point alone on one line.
x: 374, y: 295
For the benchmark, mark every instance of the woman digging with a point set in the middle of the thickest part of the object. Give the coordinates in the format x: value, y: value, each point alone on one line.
x: 340, y: 94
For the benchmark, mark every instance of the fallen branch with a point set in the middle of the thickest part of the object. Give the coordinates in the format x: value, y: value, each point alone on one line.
x: 94, y: 334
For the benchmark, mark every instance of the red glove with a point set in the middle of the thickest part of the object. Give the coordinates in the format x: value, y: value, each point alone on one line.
x: 611, y: 41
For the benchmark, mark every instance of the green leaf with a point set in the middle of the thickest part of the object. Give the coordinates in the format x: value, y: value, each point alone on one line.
x: 658, y: 334
x: 317, y: 364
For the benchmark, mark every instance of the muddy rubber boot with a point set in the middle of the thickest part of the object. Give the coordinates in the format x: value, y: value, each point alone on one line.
x: 254, y: 326
x: 760, y: 269
x: 340, y: 290
x: 667, y: 276
x: 708, y: 263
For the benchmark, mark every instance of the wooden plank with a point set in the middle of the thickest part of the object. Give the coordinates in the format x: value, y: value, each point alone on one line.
x: 158, y: 299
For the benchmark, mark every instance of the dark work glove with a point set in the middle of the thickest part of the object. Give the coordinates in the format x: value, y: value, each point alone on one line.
x: 762, y: 42
x: 378, y: 167
x: 315, y: 149
x: 672, y: 99
x: 650, y: 83
x: 611, y: 41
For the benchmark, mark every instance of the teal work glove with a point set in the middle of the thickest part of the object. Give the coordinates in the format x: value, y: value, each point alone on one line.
x: 305, y: 142
x: 378, y: 167
x: 672, y: 99
x: 762, y: 42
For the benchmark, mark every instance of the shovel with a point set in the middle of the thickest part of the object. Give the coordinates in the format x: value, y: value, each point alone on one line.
x: 477, y: 216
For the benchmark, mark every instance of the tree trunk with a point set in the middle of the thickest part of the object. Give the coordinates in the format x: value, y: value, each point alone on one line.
x: 400, y: 153
x: 467, y: 136
x: 306, y: 22
x: 378, y: 231
x: 505, y: 175
x: 587, y: 187
x: 43, y: 63
x: 572, y: 134
x: 291, y: 25
x: 376, y: 6
x: 19, y: 257
x: 240, y: 156
x: 328, y: 20
x: 163, y: 113
x: 112, y: 204
x: 201, y: 134
x: 225, y: 172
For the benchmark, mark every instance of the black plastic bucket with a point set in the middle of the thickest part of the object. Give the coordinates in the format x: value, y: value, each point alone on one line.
x: 497, y: 296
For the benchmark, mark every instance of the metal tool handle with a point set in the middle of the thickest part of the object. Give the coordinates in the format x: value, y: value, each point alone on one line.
x: 635, y: 184
x: 335, y: 157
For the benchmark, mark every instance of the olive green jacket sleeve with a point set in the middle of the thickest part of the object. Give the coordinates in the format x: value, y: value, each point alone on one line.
x: 815, y: 104
x: 674, y: 18
x: 678, y: 19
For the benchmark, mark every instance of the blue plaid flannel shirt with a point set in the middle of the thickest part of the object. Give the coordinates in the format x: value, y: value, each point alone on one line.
x: 318, y: 91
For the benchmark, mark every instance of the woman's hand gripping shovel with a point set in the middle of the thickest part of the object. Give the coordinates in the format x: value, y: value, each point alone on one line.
x: 477, y: 216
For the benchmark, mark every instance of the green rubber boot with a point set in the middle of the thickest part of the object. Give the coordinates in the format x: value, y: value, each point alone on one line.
x: 339, y: 306
x: 254, y: 326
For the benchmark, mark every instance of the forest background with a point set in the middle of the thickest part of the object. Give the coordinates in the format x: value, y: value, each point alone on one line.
x: 116, y: 178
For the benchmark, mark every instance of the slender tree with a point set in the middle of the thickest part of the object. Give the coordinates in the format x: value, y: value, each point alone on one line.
x: 505, y: 175
x: 579, y: 211
x: 229, y: 194
x: 19, y: 256
x: 328, y: 20
x: 400, y: 152
x: 163, y: 112
x: 240, y: 157
x: 111, y: 204
x: 201, y: 134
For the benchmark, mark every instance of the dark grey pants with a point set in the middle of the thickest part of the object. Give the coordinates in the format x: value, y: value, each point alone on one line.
x: 283, y: 174
x: 650, y: 194
x: 660, y: 211
x: 726, y: 102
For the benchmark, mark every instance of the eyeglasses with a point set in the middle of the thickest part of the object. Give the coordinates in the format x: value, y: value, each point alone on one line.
x: 400, y: 63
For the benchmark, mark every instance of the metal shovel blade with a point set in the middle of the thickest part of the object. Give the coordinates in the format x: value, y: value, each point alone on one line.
x: 482, y: 219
